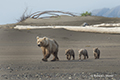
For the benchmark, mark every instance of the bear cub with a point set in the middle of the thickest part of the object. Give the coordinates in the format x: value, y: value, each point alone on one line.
x: 96, y: 53
x: 69, y: 53
x: 83, y: 52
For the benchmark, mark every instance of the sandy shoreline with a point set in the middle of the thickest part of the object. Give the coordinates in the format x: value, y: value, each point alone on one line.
x: 20, y: 58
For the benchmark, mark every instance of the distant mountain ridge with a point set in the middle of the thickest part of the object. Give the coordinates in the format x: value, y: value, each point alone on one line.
x: 107, y: 12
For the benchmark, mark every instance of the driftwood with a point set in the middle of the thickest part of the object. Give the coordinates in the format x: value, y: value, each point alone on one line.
x: 24, y: 16
x: 38, y: 14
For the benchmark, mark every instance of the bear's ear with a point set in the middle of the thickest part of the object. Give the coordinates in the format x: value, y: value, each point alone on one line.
x: 37, y: 37
x: 44, y: 38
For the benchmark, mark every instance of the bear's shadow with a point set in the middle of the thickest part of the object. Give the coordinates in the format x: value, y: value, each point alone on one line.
x: 72, y: 61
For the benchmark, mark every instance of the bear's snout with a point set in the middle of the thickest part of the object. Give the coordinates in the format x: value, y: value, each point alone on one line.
x: 38, y: 45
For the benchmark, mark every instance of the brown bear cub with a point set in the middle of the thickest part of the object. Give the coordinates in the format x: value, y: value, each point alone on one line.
x: 48, y: 46
x: 96, y: 53
x: 69, y: 53
x: 83, y: 52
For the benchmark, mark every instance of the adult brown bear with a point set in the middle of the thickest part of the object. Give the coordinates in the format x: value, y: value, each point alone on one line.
x: 48, y: 46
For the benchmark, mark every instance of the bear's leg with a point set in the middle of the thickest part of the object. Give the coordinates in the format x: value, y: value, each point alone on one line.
x: 87, y: 55
x: 98, y: 56
x: 44, y: 59
x: 69, y: 57
x: 55, y: 57
x: 84, y: 56
x: 43, y: 51
x: 73, y: 57
x: 47, y: 55
x: 80, y: 57
x: 95, y: 55
x: 66, y: 56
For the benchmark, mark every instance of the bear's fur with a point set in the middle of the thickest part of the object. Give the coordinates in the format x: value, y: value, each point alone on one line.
x: 48, y: 46
x: 69, y: 53
x: 83, y: 52
x: 96, y: 53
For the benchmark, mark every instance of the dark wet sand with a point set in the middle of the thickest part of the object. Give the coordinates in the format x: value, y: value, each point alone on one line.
x: 20, y: 57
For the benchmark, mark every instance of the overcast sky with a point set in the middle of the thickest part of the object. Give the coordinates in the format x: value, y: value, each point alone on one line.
x: 10, y: 10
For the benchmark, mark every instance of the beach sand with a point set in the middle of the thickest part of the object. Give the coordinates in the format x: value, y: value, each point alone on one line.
x: 20, y: 57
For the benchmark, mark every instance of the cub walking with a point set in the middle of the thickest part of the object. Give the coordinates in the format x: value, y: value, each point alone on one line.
x: 69, y: 53
x: 83, y: 52
x: 96, y: 53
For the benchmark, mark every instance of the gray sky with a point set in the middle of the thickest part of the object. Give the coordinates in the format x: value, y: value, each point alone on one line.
x: 10, y: 10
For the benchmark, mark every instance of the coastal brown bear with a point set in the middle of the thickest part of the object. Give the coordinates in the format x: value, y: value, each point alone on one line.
x: 48, y: 46
x: 83, y: 52
x: 69, y: 53
x: 96, y: 53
